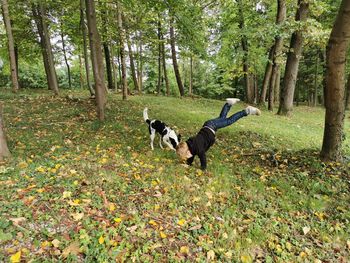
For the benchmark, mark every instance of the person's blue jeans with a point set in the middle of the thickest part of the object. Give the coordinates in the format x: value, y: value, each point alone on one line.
x: 222, y: 121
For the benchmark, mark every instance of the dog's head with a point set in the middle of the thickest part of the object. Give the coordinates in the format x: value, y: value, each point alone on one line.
x: 174, y: 139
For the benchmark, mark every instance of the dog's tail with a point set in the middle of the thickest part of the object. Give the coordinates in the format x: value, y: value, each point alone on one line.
x: 145, y: 115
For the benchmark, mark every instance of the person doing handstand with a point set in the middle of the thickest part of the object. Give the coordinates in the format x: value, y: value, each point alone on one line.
x: 205, y: 138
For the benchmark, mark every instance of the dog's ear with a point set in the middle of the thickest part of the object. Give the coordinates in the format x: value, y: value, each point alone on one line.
x: 179, y: 137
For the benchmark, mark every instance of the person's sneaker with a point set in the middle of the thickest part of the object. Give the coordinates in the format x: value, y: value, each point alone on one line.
x: 250, y: 110
x: 232, y: 101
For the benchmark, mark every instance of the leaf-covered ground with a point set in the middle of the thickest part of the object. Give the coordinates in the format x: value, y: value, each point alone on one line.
x: 78, y: 190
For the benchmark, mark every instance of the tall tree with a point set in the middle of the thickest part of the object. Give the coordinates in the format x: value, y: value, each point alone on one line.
x: 96, y: 58
x: 249, y: 87
x: 131, y: 59
x: 11, y: 46
x: 65, y: 56
x: 85, y: 48
x: 173, y: 55
x: 292, y: 65
x: 122, y: 51
x: 4, y: 151
x: 39, y: 13
x: 337, y: 47
x: 272, y: 67
x: 159, y: 29
x: 167, y: 85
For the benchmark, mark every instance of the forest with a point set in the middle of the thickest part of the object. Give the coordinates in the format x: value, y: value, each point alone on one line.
x: 79, y: 181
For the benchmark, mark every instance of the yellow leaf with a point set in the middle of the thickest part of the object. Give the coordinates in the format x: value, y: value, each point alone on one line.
x: 40, y: 169
x: 210, y: 255
x: 246, y: 258
x: 66, y: 194
x: 288, y: 246
x: 162, y: 234
x: 45, y: 244
x: 22, y: 165
x: 181, y: 222
x: 75, y: 182
x: 101, y: 240
x: 117, y: 220
x: 40, y: 190
x: 111, y: 207
x: 103, y: 161
x: 153, y: 223
x: 184, y: 250
x: 302, y: 254
x: 16, y: 258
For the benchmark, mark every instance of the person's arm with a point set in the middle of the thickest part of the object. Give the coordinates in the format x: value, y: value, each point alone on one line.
x: 203, y: 159
x: 190, y: 160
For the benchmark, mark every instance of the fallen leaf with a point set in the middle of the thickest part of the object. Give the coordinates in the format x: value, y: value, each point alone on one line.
x: 56, y: 243
x: 73, y: 248
x: 184, y: 250
x: 16, y: 258
x: 162, y: 234
x: 181, y: 222
x: 66, y: 194
x: 246, y: 258
x: 111, y: 207
x: 16, y: 221
x: 210, y: 255
x: 77, y: 216
x: 101, y: 240
x: 196, y: 227
x: 306, y: 230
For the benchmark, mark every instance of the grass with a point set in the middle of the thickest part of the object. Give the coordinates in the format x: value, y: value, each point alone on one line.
x: 80, y: 190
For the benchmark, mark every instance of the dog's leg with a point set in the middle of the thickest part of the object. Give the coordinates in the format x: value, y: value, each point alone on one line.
x: 160, y: 142
x: 168, y: 144
x: 153, y: 134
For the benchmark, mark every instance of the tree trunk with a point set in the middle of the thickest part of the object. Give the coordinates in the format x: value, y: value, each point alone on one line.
x: 292, y: 65
x: 81, y: 75
x: 267, y: 76
x: 39, y: 14
x: 167, y: 85
x: 159, y: 29
x: 108, y: 66
x: 140, y: 71
x: 337, y: 47
x: 244, y: 41
x: 65, y: 57
x: 4, y: 151
x: 97, y: 59
x: 277, y: 84
x: 190, y: 89
x: 347, y: 101
x: 11, y: 46
x: 173, y: 55
x: 132, y: 63
x: 316, y: 89
x: 122, y: 51
x: 86, y: 56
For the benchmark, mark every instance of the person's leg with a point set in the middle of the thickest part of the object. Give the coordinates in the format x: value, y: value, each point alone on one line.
x: 221, y: 123
x: 227, y: 106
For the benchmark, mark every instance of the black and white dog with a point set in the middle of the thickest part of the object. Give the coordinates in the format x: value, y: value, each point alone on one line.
x: 167, y: 135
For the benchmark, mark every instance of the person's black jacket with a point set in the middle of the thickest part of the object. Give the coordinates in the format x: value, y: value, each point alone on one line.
x: 199, y: 144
